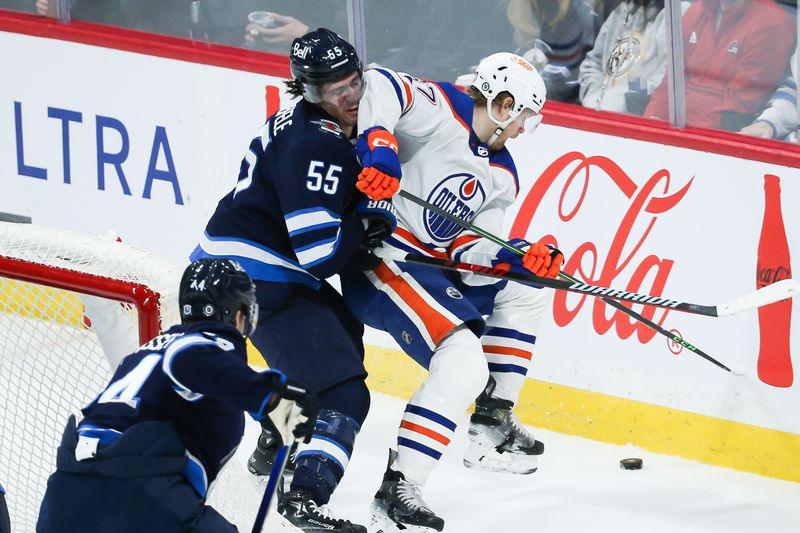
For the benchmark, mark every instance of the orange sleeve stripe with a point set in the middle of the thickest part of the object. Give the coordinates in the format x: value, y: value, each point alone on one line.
x: 409, y: 94
x: 437, y: 325
x: 462, y: 241
x: 408, y: 236
x: 422, y: 430
x: 506, y: 350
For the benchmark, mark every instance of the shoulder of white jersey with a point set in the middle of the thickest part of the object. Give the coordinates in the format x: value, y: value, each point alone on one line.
x: 502, y: 161
x: 400, y: 84
x: 459, y: 103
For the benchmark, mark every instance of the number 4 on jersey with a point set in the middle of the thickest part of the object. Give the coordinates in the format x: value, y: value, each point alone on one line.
x: 126, y: 388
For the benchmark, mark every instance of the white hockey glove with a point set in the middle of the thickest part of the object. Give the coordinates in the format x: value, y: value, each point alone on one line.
x: 296, y: 413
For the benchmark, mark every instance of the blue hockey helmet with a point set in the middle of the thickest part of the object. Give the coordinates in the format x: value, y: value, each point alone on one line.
x: 215, y: 289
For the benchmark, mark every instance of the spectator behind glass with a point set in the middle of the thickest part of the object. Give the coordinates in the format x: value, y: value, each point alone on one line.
x: 779, y: 119
x: 628, y: 60
x: 169, y: 17
x: 733, y: 70
x: 18, y: 5
x: 442, y: 38
x: 289, y: 19
x: 218, y: 21
x: 555, y: 35
x: 436, y: 39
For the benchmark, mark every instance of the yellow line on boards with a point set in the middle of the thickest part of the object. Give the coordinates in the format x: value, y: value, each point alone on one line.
x: 615, y: 420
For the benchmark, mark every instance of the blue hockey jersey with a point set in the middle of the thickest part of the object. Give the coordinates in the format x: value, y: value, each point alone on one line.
x: 197, y: 377
x: 287, y: 219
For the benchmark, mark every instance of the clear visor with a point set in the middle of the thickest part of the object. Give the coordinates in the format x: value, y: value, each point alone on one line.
x: 532, y: 122
x: 336, y: 92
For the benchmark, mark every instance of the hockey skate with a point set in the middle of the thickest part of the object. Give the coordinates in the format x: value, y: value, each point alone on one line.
x: 263, y: 457
x: 498, y: 442
x: 302, y: 512
x: 398, y: 506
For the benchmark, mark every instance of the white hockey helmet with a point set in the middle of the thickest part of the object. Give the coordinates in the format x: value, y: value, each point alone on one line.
x: 509, y: 72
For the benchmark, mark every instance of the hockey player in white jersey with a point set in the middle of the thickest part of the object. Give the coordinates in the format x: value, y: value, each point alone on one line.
x: 449, y: 148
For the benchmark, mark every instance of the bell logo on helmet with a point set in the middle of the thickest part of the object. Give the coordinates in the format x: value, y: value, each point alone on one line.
x: 187, y: 310
x: 300, y: 51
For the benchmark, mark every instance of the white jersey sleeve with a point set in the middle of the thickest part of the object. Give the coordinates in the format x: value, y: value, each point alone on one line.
x: 443, y: 163
x: 387, y: 96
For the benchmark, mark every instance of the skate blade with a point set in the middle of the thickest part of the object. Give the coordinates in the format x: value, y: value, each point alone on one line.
x: 277, y: 523
x: 504, y: 469
x: 488, y: 459
x: 383, y: 524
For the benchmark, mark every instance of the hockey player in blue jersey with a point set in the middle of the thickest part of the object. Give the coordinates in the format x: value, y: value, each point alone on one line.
x: 5, y: 522
x: 147, y: 448
x: 294, y: 219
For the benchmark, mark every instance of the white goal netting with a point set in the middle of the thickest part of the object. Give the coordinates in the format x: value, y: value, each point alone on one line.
x: 69, y: 304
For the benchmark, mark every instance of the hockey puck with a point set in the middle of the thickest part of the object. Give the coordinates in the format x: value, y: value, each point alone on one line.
x: 632, y: 463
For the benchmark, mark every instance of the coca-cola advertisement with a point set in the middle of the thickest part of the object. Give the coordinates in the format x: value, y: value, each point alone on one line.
x: 667, y: 222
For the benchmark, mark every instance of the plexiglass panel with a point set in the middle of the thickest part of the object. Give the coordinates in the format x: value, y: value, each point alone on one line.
x: 736, y: 55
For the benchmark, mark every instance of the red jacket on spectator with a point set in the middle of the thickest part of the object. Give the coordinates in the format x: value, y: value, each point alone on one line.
x: 735, y: 68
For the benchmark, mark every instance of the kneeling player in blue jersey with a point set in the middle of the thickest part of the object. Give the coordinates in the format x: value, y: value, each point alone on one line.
x: 294, y: 219
x: 149, y: 445
x: 5, y: 523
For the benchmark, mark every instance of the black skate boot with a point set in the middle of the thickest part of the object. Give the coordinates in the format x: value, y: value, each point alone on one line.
x: 302, y: 512
x: 398, y: 506
x: 499, y: 443
x: 263, y: 457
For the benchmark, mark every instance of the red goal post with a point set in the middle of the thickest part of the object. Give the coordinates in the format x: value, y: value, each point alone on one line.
x: 71, y: 306
x: 144, y: 299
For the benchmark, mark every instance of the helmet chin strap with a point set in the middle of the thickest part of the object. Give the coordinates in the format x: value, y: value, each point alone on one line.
x: 501, y: 124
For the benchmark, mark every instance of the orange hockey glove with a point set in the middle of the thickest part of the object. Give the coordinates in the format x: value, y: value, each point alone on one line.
x: 376, y: 150
x: 539, y: 259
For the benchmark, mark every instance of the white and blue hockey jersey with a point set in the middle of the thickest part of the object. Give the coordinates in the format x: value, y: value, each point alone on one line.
x: 287, y: 218
x: 443, y: 162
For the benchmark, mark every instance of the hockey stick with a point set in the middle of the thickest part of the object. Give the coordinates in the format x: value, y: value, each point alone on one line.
x: 275, y: 476
x: 446, y: 264
x: 770, y: 294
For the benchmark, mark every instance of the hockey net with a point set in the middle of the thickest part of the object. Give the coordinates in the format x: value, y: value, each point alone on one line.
x: 71, y: 306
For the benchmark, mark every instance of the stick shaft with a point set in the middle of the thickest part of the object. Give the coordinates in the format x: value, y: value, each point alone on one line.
x: 275, y: 476
x: 569, y: 283
x: 617, y: 305
x: 477, y: 269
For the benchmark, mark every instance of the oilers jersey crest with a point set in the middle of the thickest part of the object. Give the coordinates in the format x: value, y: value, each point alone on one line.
x: 443, y: 162
x: 459, y: 194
